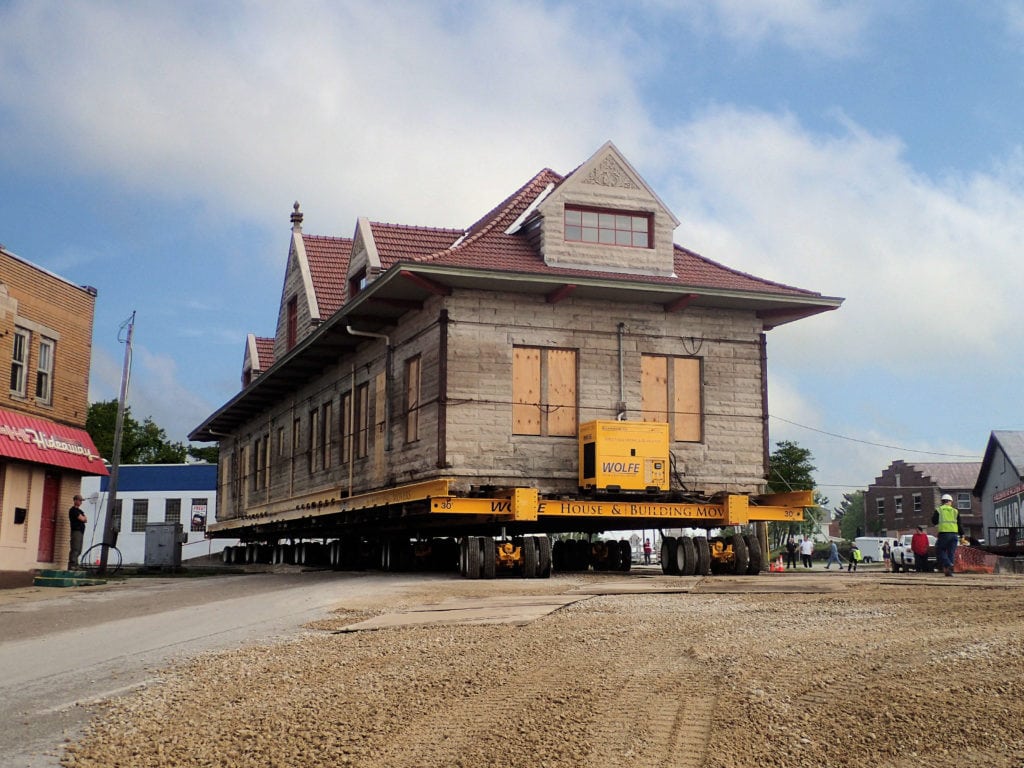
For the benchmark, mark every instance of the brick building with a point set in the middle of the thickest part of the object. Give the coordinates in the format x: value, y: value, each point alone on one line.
x: 46, y: 335
x: 905, y: 495
x: 409, y: 353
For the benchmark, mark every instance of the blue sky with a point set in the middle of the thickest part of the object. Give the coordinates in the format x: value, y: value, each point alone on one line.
x: 869, y: 150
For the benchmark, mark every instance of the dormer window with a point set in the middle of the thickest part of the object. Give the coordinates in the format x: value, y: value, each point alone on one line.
x: 607, y: 227
x: 356, y: 283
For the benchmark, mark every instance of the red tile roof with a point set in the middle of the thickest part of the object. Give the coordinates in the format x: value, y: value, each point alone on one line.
x: 485, y: 245
x: 328, y: 264
x: 265, y: 353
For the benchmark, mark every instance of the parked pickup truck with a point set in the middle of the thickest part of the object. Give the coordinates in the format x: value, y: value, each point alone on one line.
x: 903, y: 555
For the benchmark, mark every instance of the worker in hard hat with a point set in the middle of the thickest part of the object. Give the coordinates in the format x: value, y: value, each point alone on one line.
x: 948, y: 527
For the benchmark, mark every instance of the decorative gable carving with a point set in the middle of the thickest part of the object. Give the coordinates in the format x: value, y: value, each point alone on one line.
x: 616, y: 223
x: 608, y: 173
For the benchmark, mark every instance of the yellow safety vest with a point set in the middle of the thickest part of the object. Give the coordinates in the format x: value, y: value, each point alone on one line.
x: 948, y: 517
x: 857, y: 555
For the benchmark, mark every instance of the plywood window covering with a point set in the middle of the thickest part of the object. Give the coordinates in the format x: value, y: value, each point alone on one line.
x: 345, y: 426
x: 362, y: 420
x: 412, y: 399
x: 544, y: 390
x: 670, y: 390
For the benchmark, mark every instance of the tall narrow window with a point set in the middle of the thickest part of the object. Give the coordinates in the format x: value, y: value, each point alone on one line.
x: 412, y: 399
x: 258, y: 452
x: 19, y: 361
x: 327, y: 442
x: 293, y: 322
x: 314, y: 440
x: 544, y: 391
x: 362, y: 420
x: 670, y: 391
x: 44, y: 372
x: 140, y: 515
x: 345, y: 427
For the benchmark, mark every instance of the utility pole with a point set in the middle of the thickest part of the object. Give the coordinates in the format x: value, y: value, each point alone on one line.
x: 115, y: 460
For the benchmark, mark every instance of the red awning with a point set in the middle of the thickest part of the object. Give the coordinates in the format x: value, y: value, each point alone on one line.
x: 45, y: 442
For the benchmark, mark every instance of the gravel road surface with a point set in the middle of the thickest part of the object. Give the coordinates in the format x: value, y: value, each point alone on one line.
x: 793, y: 669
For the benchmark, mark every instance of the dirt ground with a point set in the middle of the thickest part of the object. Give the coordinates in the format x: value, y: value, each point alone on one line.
x: 809, y: 669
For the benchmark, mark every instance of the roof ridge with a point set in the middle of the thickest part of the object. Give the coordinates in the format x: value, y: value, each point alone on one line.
x: 489, y: 221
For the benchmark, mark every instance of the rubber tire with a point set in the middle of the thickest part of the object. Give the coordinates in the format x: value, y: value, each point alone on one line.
x: 689, y: 556
x: 611, y: 550
x: 488, y: 561
x: 753, y: 553
x: 741, y: 556
x: 543, y: 557
x: 668, y: 555
x: 528, y: 549
x: 703, y: 548
x: 625, y: 556
x: 583, y: 554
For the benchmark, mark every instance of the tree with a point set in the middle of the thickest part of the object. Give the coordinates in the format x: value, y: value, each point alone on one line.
x: 208, y: 453
x: 144, y: 443
x: 790, y: 469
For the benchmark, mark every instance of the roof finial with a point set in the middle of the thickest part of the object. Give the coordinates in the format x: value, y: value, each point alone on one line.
x: 296, y: 218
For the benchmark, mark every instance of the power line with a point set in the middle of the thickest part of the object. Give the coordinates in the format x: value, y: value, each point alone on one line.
x: 877, y: 445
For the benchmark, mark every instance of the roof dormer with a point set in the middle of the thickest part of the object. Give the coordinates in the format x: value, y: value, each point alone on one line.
x: 604, y: 217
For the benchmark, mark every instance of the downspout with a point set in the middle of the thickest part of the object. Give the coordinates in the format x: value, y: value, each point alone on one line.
x: 387, y: 380
x: 621, y: 415
x: 765, y: 449
x: 442, y: 390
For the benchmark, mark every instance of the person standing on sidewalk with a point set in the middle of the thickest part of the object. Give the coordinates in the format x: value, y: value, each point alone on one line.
x: 791, y: 547
x: 947, y: 519
x: 77, y: 519
x: 806, y: 552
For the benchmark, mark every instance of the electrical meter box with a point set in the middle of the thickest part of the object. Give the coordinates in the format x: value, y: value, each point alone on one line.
x: 163, y: 545
x: 624, y: 456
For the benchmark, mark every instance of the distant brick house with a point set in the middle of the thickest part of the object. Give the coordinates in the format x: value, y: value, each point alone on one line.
x: 46, y: 339
x: 1000, y: 487
x: 408, y: 353
x: 905, y: 495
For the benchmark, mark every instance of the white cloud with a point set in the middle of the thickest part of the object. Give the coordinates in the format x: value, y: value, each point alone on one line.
x: 926, y: 266
x: 353, y: 108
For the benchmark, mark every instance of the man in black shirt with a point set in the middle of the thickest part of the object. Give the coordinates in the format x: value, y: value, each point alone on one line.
x: 77, y: 518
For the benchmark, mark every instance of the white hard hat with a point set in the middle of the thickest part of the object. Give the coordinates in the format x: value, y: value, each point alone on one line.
x: 946, y: 497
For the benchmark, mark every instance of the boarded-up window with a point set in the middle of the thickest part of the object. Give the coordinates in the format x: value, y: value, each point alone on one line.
x: 544, y: 391
x: 412, y: 399
x: 671, y: 392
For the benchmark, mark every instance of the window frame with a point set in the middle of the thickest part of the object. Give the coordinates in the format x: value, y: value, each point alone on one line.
x: 541, y: 391
x: 172, y: 510
x: 963, y: 501
x: 664, y: 396
x: 605, y: 223
x: 361, y: 422
x: 19, y: 363
x: 44, y: 370
x: 413, y: 380
x: 140, y: 515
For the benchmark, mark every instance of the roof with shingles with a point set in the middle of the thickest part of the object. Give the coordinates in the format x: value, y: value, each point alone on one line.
x: 328, y: 264
x: 265, y: 352
x: 486, y: 245
x: 1011, y: 443
x: 949, y: 474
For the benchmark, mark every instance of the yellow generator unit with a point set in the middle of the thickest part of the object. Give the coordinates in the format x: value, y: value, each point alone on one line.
x: 624, y: 456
